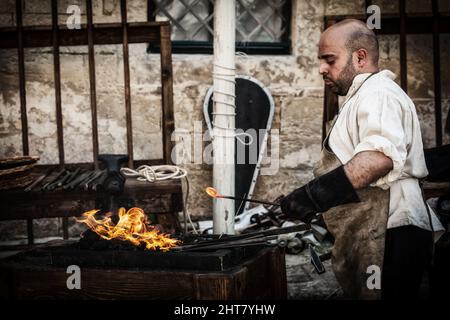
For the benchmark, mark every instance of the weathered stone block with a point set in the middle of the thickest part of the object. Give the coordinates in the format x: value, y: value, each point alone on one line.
x: 386, y: 6
x: 285, y: 181
x: 13, y: 230
x: 343, y: 7
x: 390, y: 54
x: 420, y: 66
x: 7, y: 6
x: 199, y: 203
x: 7, y: 20
x: 300, y: 116
x: 418, y: 6
x: 299, y: 153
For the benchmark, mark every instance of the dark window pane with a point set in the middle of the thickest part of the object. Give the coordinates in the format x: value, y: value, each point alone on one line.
x: 262, y: 26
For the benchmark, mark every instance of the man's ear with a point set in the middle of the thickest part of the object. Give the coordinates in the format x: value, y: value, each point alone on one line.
x: 361, y: 57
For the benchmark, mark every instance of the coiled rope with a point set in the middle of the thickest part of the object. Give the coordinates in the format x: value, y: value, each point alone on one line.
x: 155, y: 173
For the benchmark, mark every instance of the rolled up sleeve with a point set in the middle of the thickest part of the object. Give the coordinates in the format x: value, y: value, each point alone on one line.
x: 380, y: 128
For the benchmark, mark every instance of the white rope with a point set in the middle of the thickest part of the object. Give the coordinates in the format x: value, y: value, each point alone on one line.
x: 229, y: 78
x: 155, y: 173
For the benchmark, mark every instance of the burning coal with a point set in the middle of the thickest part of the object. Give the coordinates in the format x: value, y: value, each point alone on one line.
x: 132, y: 227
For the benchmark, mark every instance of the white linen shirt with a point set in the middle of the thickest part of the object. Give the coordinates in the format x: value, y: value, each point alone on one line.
x: 381, y: 117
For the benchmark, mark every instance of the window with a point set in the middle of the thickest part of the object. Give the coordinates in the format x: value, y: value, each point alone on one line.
x: 262, y: 26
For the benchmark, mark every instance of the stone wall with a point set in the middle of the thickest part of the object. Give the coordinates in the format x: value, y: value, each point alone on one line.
x: 293, y: 80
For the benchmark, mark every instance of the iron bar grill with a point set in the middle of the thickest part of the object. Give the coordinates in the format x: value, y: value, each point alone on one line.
x: 89, y: 35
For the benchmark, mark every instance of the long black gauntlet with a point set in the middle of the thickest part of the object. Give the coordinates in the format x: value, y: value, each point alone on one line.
x: 319, y: 195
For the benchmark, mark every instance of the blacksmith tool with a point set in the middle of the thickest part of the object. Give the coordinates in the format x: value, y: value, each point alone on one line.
x: 73, y: 175
x: 63, y: 180
x: 114, y: 183
x: 256, y: 234
x: 76, y: 181
x: 52, y: 180
x: 214, y: 245
x: 39, y: 180
x: 35, y: 183
x: 94, y: 177
x: 213, y: 193
x: 56, y: 183
x: 315, y: 260
x: 98, y: 184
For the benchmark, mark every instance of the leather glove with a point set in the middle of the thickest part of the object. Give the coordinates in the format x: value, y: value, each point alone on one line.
x: 319, y: 195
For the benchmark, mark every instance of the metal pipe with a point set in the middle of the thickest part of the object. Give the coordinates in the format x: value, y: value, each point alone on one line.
x: 57, y: 80
x: 92, y: 85
x: 403, y: 55
x: 256, y: 234
x: 229, y: 246
x: 126, y: 67
x: 259, y: 238
x: 22, y: 89
x: 277, y: 231
x: 437, y: 73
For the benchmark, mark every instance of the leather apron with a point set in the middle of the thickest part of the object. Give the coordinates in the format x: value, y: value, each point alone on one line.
x: 359, y: 231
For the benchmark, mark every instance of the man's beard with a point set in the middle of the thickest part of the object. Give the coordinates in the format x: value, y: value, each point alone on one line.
x: 342, y: 84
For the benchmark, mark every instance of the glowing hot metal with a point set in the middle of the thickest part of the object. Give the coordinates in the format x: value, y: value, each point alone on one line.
x: 213, y: 193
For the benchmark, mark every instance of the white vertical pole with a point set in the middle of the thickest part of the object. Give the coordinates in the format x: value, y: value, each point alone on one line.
x: 224, y: 119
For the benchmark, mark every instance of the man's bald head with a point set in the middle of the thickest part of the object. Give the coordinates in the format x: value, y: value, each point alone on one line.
x: 356, y: 35
x: 346, y: 49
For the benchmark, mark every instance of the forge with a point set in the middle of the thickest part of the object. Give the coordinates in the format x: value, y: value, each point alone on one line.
x: 127, y: 240
x: 238, y: 273
x: 122, y: 256
x: 63, y: 254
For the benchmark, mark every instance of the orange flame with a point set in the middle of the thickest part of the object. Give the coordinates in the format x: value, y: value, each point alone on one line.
x: 212, y: 192
x: 132, y: 227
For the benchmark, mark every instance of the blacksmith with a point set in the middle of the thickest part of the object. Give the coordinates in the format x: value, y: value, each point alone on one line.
x: 367, y: 179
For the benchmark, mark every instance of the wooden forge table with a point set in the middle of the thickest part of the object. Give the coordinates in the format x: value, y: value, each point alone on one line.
x: 260, y: 275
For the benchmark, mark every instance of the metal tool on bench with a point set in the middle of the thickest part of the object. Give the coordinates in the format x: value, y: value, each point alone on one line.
x: 113, y: 184
x: 78, y: 179
x: 64, y: 179
x: 40, y: 179
x: 98, y: 184
x: 97, y: 174
x: 315, y: 260
x: 52, y: 180
x: 73, y: 175
x: 58, y: 182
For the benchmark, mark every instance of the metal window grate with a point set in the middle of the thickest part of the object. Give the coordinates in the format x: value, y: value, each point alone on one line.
x: 260, y: 20
x: 191, y: 19
x: 262, y: 26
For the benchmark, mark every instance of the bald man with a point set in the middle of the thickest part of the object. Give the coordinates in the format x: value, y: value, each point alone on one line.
x: 367, y: 180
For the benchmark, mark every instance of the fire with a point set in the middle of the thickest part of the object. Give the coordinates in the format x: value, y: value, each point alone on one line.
x: 212, y: 192
x: 132, y: 227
